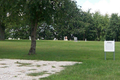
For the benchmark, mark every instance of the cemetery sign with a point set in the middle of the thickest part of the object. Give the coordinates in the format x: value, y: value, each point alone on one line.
x: 109, y: 46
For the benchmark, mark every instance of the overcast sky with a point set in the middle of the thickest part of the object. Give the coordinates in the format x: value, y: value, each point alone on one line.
x: 104, y: 6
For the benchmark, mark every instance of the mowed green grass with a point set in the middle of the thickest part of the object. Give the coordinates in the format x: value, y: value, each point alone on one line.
x: 91, y: 53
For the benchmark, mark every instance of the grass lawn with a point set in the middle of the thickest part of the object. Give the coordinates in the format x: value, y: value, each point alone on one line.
x: 91, y: 53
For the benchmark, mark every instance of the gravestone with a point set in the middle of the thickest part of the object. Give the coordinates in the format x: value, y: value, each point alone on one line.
x: 18, y: 38
x: 29, y: 37
x: 54, y: 39
x: 42, y: 38
x: 109, y: 46
x: 65, y: 38
x: 38, y: 39
x: 75, y: 39
x: 9, y: 38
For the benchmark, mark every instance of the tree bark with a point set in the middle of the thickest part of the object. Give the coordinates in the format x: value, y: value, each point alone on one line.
x: 33, y: 39
x: 2, y: 32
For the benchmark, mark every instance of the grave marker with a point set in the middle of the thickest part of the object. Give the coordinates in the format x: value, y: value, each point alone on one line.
x: 9, y: 38
x: 75, y: 39
x: 55, y: 39
x: 65, y: 38
x: 38, y: 39
x: 18, y: 38
x: 29, y: 38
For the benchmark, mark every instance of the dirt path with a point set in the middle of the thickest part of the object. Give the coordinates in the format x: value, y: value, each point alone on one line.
x: 15, y: 69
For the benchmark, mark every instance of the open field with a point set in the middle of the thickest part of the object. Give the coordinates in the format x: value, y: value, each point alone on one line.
x: 91, y: 53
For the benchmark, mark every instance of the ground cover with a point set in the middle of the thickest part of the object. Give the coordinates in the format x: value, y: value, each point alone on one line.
x: 91, y: 53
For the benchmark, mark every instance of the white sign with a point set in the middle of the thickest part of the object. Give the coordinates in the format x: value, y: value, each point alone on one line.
x: 109, y: 46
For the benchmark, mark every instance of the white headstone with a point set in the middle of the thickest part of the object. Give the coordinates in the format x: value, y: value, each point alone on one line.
x: 75, y: 39
x: 109, y: 46
x: 9, y: 38
x: 18, y: 38
x: 85, y: 39
x: 65, y: 38
x: 54, y: 39
x: 42, y: 38
x: 29, y: 38
x: 38, y: 39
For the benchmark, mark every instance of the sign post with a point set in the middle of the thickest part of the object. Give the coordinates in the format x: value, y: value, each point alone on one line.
x: 109, y: 46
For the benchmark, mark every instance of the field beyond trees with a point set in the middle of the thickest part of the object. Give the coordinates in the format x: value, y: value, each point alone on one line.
x: 91, y: 53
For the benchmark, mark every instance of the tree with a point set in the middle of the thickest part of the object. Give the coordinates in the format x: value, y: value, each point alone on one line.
x: 65, y: 25
x: 99, y: 25
x: 45, y: 31
x: 105, y: 24
x: 10, y: 13
x: 2, y: 31
x: 30, y: 11
x: 38, y: 11
x: 86, y: 21
x: 3, y: 16
x: 113, y: 29
x: 15, y: 32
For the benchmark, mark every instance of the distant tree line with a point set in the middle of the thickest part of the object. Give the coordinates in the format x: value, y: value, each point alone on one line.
x: 80, y: 24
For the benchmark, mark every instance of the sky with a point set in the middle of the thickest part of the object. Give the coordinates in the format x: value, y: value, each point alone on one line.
x: 103, y: 6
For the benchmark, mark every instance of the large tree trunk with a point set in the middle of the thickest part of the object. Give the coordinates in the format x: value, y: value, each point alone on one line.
x: 33, y: 39
x: 2, y: 32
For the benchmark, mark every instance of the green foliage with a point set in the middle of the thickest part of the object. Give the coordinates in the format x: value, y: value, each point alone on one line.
x: 113, y: 29
x: 62, y: 18
x: 22, y: 32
